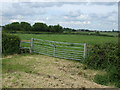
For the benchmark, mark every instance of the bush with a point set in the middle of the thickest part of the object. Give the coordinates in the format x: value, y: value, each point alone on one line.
x: 105, y: 56
x: 102, y: 79
x: 113, y: 73
x: 112, y: 77
x: 102, y: 56
x: 10, y: 44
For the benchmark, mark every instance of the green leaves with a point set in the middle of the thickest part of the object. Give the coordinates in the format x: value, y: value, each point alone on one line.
x: 101, y: 79
x: 25, y: 26
x: 10, y: 44
x: 105, y: 56
x: 40, y: 27
x: 102, y: 55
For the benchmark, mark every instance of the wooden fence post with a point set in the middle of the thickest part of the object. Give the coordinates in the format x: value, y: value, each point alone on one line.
x: 31, y: 45
x: 85, y: 50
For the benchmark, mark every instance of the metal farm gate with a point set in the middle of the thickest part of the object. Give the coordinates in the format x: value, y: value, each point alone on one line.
x: 73, y: 51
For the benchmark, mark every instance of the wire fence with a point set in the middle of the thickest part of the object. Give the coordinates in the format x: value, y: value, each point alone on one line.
x: 73, y: 51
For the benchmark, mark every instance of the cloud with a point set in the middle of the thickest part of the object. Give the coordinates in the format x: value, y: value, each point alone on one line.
x: 82, y: 16
x: 75, y: 22
x: 42, y: 4
x: 104, y: 3
x: 71, y: 14
x: 12, y: 9
x: 107, y: 17
x: 59, y: 4
x: 76, y: 15
x: 14, y: 20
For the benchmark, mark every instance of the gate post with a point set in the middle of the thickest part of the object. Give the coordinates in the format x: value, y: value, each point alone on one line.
x: 54, y: 49
x: 31, y: 45
x: 85, y: 50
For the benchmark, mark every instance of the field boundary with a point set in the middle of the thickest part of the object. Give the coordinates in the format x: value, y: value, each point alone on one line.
x: 65, y: 50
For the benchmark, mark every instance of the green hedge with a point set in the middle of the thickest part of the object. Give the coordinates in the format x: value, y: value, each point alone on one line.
x: 101, y: 56
x: 105, y: 56
x: 10, y: 44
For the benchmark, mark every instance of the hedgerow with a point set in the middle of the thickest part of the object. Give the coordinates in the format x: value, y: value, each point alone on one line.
x: 10, y: 44
x: 105, y: 56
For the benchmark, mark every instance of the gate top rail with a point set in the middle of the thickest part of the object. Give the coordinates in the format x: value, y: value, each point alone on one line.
x: 59, y: 42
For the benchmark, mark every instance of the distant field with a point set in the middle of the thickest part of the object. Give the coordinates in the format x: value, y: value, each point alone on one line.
x: 104, y: 33
x: 110, y: 33
x: 89, y: 39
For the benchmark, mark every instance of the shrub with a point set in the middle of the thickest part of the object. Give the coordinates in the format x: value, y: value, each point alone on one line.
x: 10, y: 44
x: 105, y: 56
x: 114, y: 74
x: 101, y: 56
x: 112, y: 77
x: 101, y: 79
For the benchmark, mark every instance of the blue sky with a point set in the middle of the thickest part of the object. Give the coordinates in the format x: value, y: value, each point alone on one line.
x: 77, y: 15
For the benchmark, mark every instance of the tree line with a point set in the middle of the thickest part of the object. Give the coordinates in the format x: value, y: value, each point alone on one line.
x: 38, y: 26
x: 42, y: 27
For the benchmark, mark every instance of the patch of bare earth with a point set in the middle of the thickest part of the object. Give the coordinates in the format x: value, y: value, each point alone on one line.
x: 49, y: 72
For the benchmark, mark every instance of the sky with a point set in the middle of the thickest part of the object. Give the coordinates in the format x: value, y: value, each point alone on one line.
x: 78, y: 15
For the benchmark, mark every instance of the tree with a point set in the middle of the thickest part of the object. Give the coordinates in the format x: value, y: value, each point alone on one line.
x: 25, y: 26
x: 51, y: 28
x: 56, y: 28
x: 40, y: 27
x: 15, y: 26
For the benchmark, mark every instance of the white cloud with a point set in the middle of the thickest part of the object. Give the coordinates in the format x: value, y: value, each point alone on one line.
x: 14, y: 20
x: 75, y: 22
x: 72, y: 14
x: 82, y: 17
x: 59, y: 1
x: 65, y: 17
x: 47, y: 18
x: 39, y: 21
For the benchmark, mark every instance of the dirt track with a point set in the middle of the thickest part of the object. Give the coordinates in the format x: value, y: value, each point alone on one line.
x: 51, y: 73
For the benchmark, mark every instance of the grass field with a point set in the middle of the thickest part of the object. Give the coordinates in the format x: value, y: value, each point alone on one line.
x: 110, y: 33
x: 103, y: 33
x: 64, y: 52
x: 67, y: 32
x: 89, y: 39
x: 40, y: 71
